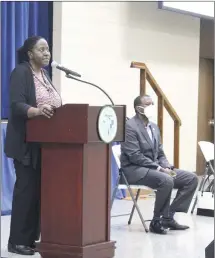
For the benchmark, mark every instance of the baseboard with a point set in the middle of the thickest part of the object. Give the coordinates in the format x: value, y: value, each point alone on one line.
x: 205, y: 212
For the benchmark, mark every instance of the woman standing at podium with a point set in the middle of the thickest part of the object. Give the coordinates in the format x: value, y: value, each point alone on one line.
x: 31, y: 94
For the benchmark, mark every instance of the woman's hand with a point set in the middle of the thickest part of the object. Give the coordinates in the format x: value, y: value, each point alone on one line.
x: 43, y: 110
x: 46, y: 110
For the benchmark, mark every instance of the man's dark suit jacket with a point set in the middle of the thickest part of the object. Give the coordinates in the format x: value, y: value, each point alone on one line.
x: 22, y: 96
x: 138, y: 153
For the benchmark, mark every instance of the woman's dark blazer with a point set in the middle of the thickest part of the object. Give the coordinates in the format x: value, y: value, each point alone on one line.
x: 22, y: 96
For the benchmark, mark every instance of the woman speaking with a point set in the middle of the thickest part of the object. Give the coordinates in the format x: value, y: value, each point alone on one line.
x: 31, y: 94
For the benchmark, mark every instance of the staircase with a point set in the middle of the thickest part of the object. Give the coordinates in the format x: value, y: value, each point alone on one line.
x: 163, y: 102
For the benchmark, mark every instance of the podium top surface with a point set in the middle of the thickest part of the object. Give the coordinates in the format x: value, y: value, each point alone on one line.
x: 73, y: 123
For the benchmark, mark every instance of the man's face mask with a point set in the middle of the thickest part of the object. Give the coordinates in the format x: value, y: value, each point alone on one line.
x: 147, y: 111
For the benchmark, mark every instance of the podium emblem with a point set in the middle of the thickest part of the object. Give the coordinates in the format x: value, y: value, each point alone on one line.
x: 107, y: 124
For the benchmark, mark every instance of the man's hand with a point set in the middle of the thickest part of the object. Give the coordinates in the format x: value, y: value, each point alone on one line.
x: 46, y: 110
x: 168, y: 171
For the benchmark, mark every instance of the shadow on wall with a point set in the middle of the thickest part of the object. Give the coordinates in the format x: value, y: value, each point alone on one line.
x: 151, y: 34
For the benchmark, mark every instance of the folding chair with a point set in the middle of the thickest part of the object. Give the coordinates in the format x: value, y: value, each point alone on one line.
x: 207, y: 149
x: 122, y: 183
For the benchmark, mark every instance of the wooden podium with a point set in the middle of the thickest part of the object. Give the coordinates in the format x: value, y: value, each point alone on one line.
x: 76, y: 182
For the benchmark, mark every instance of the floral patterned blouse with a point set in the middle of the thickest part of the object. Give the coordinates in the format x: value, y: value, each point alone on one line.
x: 45, y: 92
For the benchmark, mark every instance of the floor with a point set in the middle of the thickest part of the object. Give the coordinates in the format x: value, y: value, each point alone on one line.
x: 133, y: 242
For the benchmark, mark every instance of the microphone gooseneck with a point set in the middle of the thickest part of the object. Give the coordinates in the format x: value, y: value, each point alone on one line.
x: 70, y: 74
x: 92, y: 84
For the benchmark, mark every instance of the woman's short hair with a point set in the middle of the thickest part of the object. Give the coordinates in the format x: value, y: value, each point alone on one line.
x: 22, y: 52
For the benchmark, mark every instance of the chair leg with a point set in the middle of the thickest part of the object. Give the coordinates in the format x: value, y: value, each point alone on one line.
x: 206, y: 179
x: 210, y: 186
x: 133, y: 208
x: 211, y: 167
x: 194, y: 205
x: 199, y: 189
x: 135, y: 204
x: 115, y: 191
x: 203, y: 187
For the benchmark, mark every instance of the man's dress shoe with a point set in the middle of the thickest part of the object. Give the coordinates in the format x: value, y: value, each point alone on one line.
x: 157, y: 227
x: 173, y: 225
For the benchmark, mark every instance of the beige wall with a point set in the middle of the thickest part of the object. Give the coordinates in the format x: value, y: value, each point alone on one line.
x: 100, y: 40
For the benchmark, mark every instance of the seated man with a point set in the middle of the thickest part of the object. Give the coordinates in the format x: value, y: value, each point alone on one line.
x: 144, y: 163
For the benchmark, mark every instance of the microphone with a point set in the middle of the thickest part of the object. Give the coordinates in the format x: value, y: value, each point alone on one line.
x: 54, y: 64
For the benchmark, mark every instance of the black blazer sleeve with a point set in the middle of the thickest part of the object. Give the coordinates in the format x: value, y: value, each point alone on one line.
x: 18, y: 93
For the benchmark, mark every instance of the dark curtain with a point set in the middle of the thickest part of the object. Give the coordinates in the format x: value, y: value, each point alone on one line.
x: 20, y: 20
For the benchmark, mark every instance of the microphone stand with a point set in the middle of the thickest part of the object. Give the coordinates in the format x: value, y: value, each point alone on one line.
x: 92, y: 84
